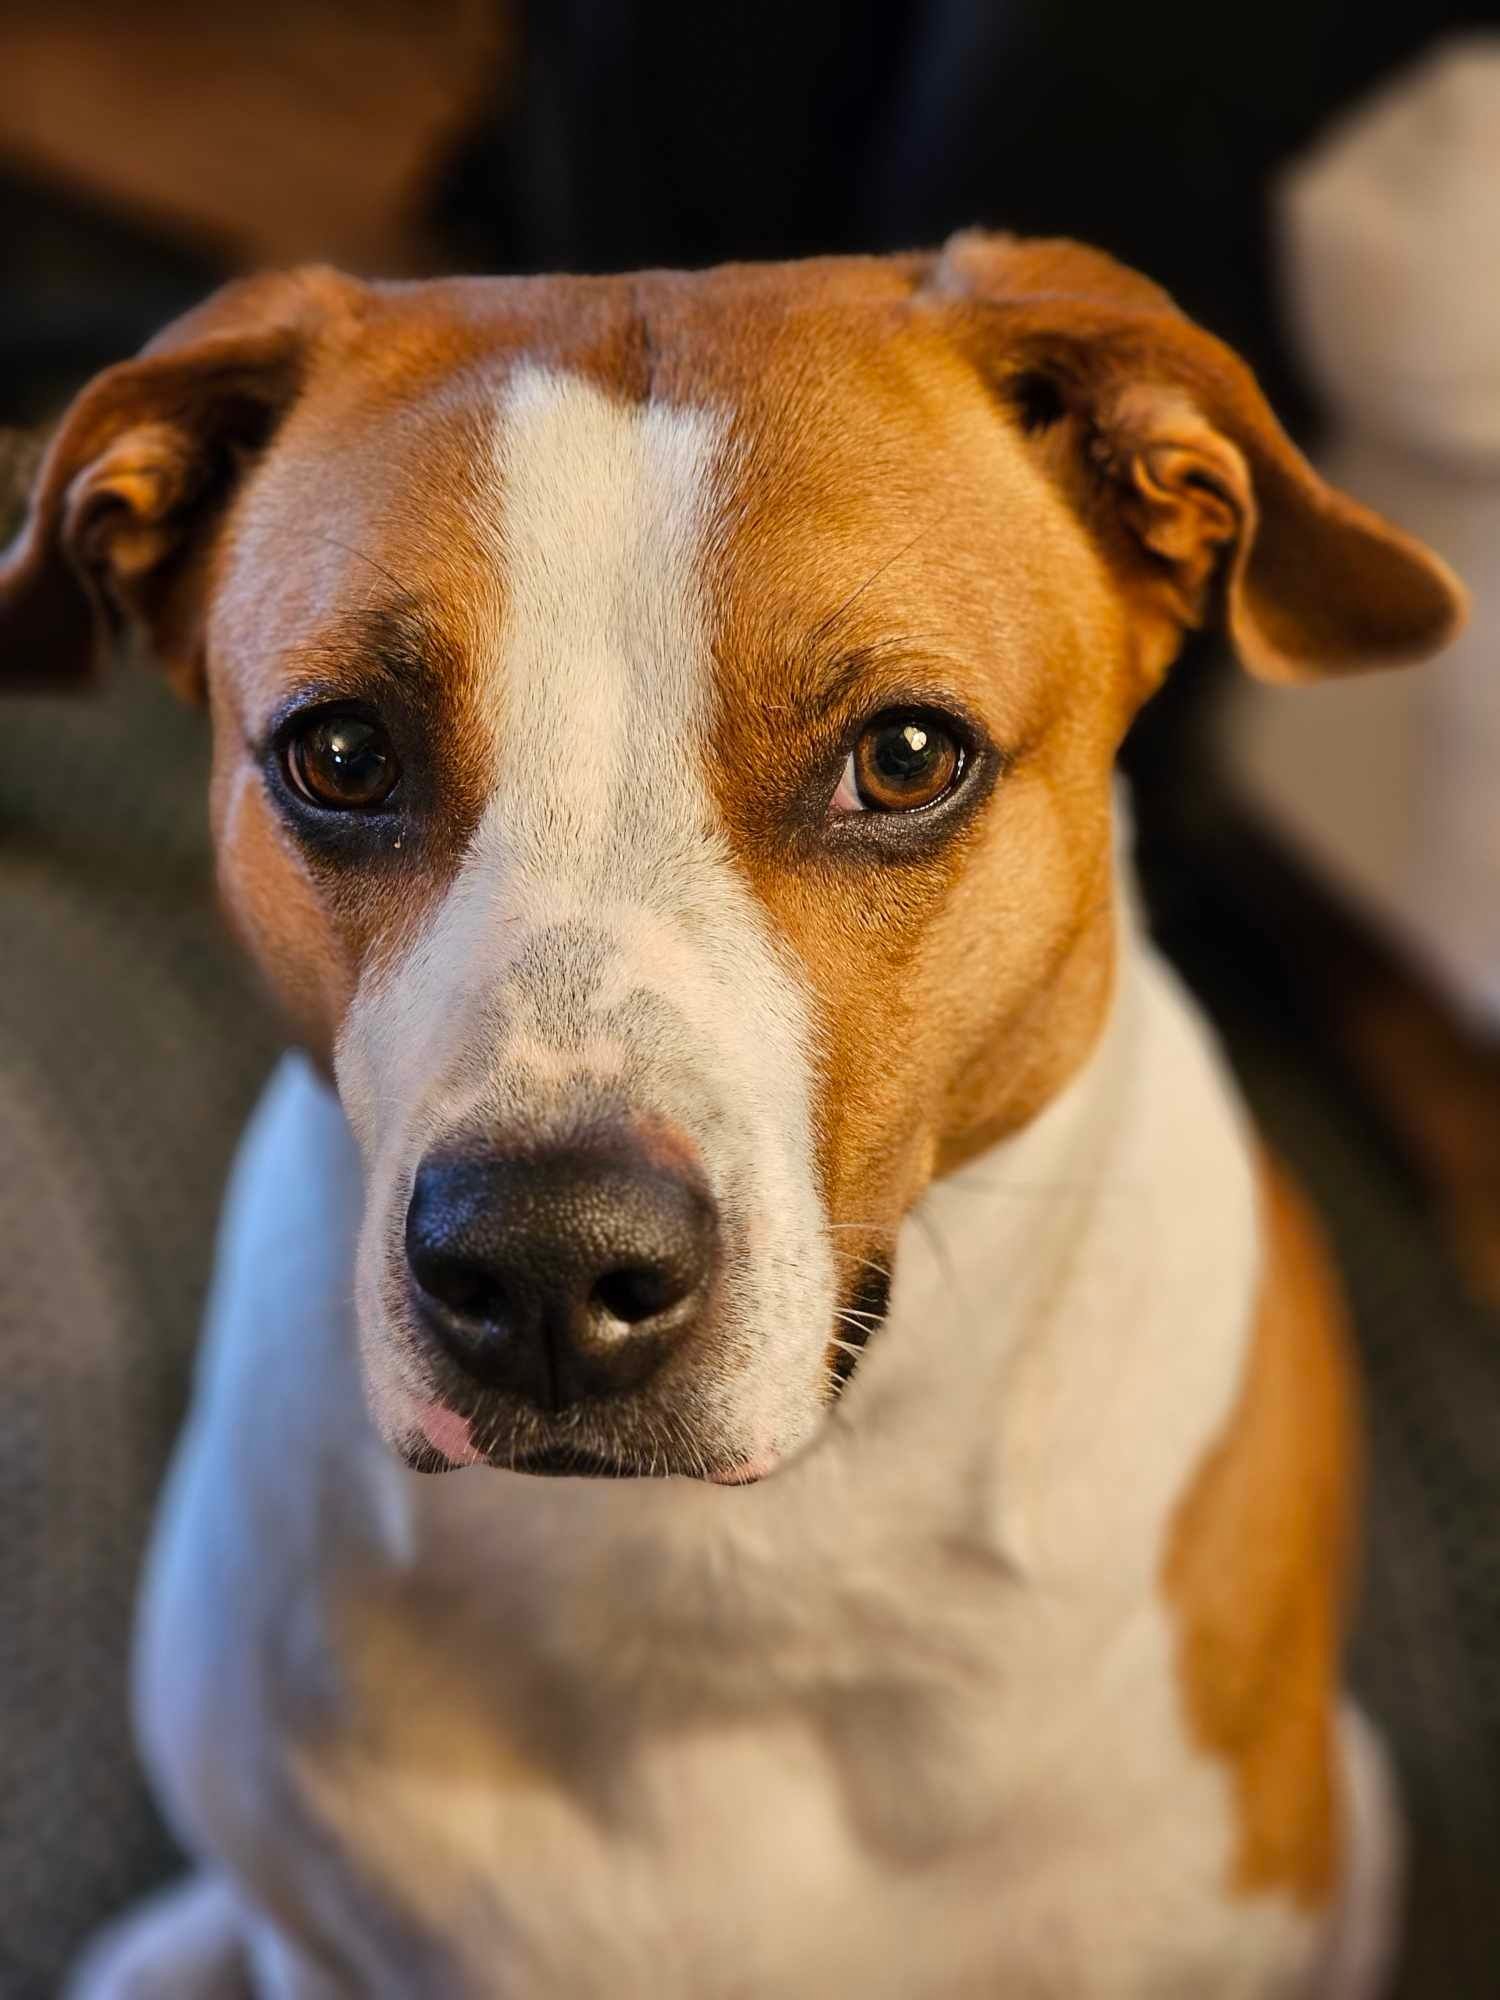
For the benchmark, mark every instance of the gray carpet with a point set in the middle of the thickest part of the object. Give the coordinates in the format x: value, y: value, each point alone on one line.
x: 130, y: 1050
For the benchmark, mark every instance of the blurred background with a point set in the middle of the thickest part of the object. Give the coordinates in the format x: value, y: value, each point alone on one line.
x: 1318, y: 181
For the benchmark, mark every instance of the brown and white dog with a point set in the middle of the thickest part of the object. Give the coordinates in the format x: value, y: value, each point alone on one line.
x: 663, y: 732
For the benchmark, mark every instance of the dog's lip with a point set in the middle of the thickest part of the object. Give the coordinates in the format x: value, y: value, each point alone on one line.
x: 747, y: 1472
x: 569, y: 1462
x: 447, y: 1444
x: 450, y: 1434
x: 552, y: 1462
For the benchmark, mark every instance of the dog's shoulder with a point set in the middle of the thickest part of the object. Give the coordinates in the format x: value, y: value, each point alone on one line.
x: 1259, y: 1560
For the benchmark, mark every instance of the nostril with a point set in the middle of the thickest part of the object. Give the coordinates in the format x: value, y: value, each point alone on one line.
x: 638, y: 1292
x: 466, y: 1289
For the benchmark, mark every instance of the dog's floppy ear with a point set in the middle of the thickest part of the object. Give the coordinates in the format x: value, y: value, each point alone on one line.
x: 127, y: 495
x: 1160, y: 434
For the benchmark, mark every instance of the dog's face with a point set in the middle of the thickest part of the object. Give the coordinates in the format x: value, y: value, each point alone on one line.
x: 662, y: 746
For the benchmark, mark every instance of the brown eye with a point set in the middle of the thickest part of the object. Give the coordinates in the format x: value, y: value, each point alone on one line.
x: 342, y: 762
x: 902, y: 762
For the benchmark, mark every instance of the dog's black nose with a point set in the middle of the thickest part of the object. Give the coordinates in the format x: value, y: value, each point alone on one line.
x: 562, y: 1274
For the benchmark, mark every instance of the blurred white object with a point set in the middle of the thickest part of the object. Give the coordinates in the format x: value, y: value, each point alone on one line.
x: 1390, y: 238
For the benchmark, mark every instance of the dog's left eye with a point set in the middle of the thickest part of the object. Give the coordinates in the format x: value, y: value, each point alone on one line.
x: 904, y: 760
x: 341, y: 762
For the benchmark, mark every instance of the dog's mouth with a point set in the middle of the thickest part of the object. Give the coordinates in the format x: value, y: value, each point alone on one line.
x: 575, y: 1462
x: 442, y: 1441
x: 568, y: 1462
x: 452, y: 1430
x: 446, y: 1441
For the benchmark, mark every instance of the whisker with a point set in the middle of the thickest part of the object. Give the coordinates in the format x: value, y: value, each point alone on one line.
x: 350, y: 550
x: 830, y: 623
x: 880, y: 1271
x: 857, y: 1259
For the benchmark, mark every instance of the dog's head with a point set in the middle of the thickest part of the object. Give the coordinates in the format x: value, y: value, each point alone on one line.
x: 662, y: 745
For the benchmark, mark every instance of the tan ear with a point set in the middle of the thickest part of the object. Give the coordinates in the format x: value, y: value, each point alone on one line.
x: 1161, y: 435
x: 137, y: 476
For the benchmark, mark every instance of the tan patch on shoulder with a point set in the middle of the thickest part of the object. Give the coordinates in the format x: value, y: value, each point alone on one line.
x: 1257, y: 1572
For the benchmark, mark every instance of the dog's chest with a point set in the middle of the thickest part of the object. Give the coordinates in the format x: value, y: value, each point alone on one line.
x: 926, y: 1825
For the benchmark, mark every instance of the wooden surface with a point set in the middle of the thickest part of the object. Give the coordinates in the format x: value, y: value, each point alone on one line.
x: 269, y: 134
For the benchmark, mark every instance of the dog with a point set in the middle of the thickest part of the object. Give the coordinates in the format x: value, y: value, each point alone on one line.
x: 901, y: 1464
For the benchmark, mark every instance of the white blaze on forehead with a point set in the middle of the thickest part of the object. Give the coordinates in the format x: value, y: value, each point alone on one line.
x: 604, y: 686
x: 597, y: 926
x: 598, y: 691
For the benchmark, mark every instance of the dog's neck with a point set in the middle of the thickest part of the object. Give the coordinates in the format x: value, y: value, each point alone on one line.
x: 1104, y: 1255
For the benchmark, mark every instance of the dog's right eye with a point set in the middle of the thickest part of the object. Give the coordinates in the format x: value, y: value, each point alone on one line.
x: 341, y: 762
x: 904, y: 761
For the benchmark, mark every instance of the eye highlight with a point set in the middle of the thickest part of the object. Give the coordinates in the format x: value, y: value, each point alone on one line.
x: 904, y: 760
x: 340, y: 761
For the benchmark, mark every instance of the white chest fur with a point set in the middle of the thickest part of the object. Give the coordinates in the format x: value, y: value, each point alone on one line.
x: 902, y: 1719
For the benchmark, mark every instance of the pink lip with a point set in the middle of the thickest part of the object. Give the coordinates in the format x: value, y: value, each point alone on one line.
x: 446, y: 1431
x: 746, y: 1472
